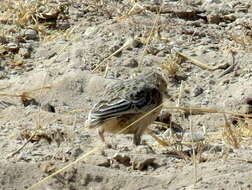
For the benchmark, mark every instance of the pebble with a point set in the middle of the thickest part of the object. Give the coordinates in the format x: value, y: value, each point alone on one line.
x: 142, y: 163
x: 115, y: 47
x: 12, y: 47
x: 31, y: 34
x: 197, y: 91
x: 2, y: 75
x: 196, y: 136
x: 131, y: 63
x: 213, y: 18
x: 90, y: 31
x: 122, y: 159
x: 24, y: 52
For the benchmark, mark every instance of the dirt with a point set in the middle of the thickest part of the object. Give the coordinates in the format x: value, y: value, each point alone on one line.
x: 49, y: 80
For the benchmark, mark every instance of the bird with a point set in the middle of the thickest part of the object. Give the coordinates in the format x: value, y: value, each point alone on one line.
x: 124, y: 104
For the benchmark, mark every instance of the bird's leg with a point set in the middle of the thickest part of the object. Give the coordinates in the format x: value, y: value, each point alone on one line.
x: 101, y: 134
x: 137, y: 139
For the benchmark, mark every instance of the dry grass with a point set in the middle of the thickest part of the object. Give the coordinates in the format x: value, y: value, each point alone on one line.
x: 171, y: 65
x: 24, y: 13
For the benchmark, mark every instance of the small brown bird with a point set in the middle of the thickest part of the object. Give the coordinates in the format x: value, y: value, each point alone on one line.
x: 127, y: 101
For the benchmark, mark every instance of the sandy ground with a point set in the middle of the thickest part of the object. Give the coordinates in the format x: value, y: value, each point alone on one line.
x: 52, y: 119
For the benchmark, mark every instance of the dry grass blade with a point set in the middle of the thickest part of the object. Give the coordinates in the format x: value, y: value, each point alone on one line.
x: 131, y: 12
x: 63, y: 169
x: 151, y: 34
x: 171, y: 65
x: 20, y: 148
x: 128, y: 43
x: 160, y: 141
x: 195, y: 110
x: 229, y: 135
x: 197, y: 62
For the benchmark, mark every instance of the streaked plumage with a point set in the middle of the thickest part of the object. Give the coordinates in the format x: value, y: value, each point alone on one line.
x: 126, y: 101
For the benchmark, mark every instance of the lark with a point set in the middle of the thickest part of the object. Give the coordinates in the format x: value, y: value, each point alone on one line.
x: 125, y: 104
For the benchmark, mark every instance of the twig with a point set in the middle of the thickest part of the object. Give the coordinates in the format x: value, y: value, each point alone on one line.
x: 128, y: 43
x: 151, y: 34
x: 160, y: 141
x: 231, y: 67
x: 196, y: 62
x: 20, y: 148
x: 230, y: 133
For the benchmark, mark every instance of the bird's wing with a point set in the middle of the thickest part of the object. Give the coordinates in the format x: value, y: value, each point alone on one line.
x: 135, y: 102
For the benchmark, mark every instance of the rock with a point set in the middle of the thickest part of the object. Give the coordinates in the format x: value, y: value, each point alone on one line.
x: 13, y: 47
x: 152, y: 50
x: 90, y: 31
x: 115, y: 47
x: 48, y: 107
x: 31, y: 34
x: 76, y: 152
x: 164, y: 116
x: 196, y: 136
x: 131, y: 63
x: 142, y: 163
x: 24, y: 52
x: 148, y: 62
x: 2, y: 74
x: 214, y: 18
x: 122, y: 159
x: 144, y: 149
x: 137, y: 43
x: 3, y: 39
x: 197, y: 91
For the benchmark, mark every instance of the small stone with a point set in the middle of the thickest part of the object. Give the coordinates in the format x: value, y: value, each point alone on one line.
x: 91, y: 31
x: 212, y: 82
x: 152, y: 50
x: 76, y: 152
x: 164, y: 116
x: 196, y: 136
x: 142, y: 163
x: 214, y: 18
x: 115, y: 47
x: 137, y: 43
x: 131, y: 63
x: 31, y: 34
x: 12, y: 47
x: 3, y: 39
x: 2, y: 75
x: 48, y: 107
x: 148, y: 62
x: 144, y: 149
x: 225, y: 81
x: 197, y: 91
x: 24, y: 52
x: 122, y: 159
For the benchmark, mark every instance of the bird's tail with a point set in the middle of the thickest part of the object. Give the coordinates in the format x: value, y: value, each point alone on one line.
x: 89, y: 123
